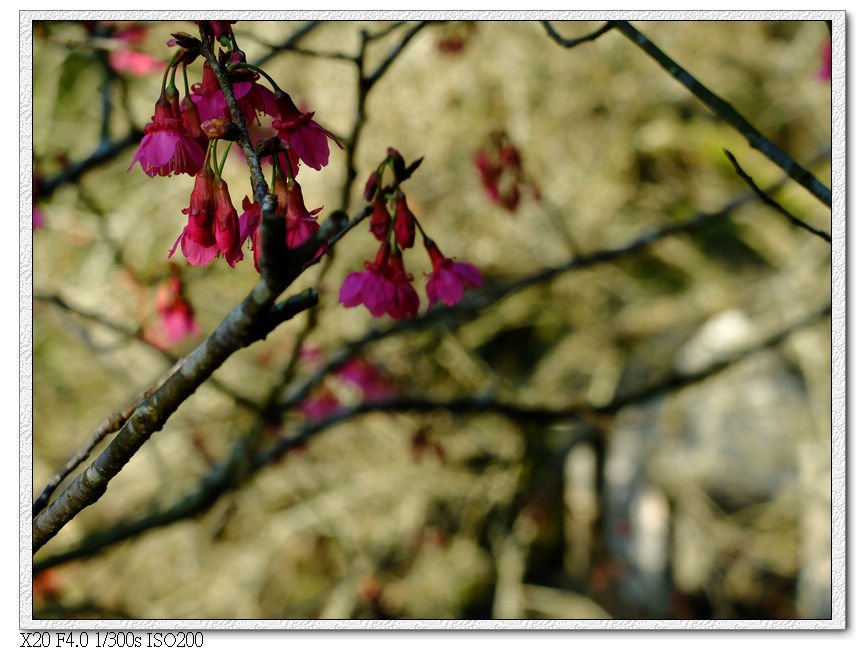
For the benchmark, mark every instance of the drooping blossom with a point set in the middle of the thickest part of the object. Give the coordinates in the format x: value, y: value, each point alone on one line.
x: 449, y: 278
x: 177, y: 317
x: 252, y: 98
x: 373, y: 288
x: 403, y: 225
x: 303, y: 134
x: 192, y: 121
x: 197, y: 240
x: 405, y: 301
x: 218, y: 28
x: 226, y: 226
x: 300, y: 223
x: 167, y: 146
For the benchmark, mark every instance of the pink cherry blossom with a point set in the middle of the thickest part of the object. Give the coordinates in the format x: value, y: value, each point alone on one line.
x: 139, y: 64
x: 373, y: 288
x: 303, y: 134
x: 367, y: 377
x: 167, y: 147
x: 176, y: 315
x: 449, y: 278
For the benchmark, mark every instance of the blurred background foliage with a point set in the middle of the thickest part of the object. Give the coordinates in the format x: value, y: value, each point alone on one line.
x: 710, y: 501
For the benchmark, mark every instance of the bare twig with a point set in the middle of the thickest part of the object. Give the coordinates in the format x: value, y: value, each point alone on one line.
x: 105, y: 152
x: 729, y: 114
x: 772, y: 203
x: 138, y: 335
x: 573, y: 42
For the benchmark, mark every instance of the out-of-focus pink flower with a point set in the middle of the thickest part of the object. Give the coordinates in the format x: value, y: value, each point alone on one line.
x: 320, y: 406
x: 449, y: 278
x: 373, y: 288
x: 500, y: 166
x: 46, y: 585
x: 167, y: 147
x: 139, y: 64
x: 131, y: 33
x: 38, y: 218
x: 368, y: 378
x: 303, y: 134
x: 825, y: 72
x: 177, y: 317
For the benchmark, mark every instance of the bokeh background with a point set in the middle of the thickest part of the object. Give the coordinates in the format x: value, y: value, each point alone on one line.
x: 710, y: 501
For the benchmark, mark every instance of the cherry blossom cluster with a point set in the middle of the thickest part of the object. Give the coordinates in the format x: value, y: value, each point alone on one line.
x: 385, y: 287
x: 185, y: 136
x: 501, y: 169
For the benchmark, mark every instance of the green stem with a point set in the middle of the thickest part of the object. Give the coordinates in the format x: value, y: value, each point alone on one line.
x: 255, y: 68
x: 165, y: 74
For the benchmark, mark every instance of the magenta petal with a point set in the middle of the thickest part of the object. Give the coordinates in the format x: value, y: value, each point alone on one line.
x: 310, y: 142
x: 469, y: 274
x: 378, y: 294
x: 351, y: 292
x: 196, y: 254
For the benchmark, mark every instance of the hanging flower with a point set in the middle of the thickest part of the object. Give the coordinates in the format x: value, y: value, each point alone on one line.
x: 405, y: 301
x: 226, y: 226
x: 373, y: 288
x: 449, y: 278
x: 303, y: 134
x: 167, y: 146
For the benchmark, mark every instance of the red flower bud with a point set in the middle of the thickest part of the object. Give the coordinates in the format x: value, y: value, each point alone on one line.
x: 404, y: 223
x: 379, y: 223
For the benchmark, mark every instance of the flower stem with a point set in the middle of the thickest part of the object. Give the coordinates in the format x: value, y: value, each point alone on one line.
x: 255, y: 68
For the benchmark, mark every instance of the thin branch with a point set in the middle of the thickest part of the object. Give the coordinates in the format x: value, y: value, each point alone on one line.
x: 288, y: 44
x: 105, y: 152
x: 772, y: 203
x: 231, y: 473
x: 137, y: 335
x: 377, y: 74
x: 729, y: 114
x: 573, y: 42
